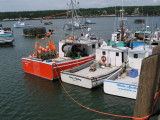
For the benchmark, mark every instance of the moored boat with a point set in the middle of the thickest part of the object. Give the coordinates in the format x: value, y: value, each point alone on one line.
x: 89, y: 22
x: 5, y: 34
x: 6, y: 41
x: 126, y: 83
x: 89, y: 75
x: 122, y: 36
x: 73, y: 52
x: 73, y: 19
x: 21, y: 24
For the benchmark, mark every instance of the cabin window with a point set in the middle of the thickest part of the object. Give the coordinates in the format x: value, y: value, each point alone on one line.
x: 117, y: 54
x: 93, y: 46
x: 135, y: 55
x: 103, y: 52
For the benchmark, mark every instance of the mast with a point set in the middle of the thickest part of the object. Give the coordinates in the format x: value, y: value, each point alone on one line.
x: 122, y: 24
x: 72, y: 12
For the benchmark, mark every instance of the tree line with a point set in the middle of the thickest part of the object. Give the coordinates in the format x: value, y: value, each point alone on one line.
x: 89, y: 12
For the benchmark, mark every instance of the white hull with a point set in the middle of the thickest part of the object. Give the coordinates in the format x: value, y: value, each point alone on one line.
x: 80, y: 76
x: 69, y: 27
x: 80, y: 81
x: 6, y: 41
x: 121, y: 86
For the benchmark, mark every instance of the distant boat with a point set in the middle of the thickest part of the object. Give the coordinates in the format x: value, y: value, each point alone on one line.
x: 74, y: 21
x: 6, y: 41
x: 47, y: 23
x: 139, y: 21
x: 122, y: 36
x: 89, y: 22
x: 4, y: 34
x: 74, y: 25
x: 21, y: 24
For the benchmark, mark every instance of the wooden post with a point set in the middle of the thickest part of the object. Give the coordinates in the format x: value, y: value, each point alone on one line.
x: 156, y: 50
x: 148, y: 85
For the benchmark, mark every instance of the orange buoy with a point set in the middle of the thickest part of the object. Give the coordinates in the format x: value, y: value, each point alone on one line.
x: 43, y: 38
x: 53, y: 47
x: 43, y: 49
x: 40, y: 47
x: 70, y: 38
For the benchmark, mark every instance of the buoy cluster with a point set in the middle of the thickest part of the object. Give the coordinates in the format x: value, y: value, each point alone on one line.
x: 47, y: 51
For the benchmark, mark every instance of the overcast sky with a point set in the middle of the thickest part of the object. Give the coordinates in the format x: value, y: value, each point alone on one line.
x: 33, y: 5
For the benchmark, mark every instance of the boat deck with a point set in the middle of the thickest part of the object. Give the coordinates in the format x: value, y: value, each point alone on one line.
x: 98, y: 73
x: 127, y: 79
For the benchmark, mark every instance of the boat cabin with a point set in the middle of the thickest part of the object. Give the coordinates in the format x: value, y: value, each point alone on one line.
x: 2, y: 32
x: 111, y: 56
x: 81, y: 47
x: 116, y: 38
x: 137, y: 54
x: 156, y: 36
x: 143, y: 35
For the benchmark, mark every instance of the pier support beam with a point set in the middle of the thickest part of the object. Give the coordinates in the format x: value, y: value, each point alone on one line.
x: 148, y: 85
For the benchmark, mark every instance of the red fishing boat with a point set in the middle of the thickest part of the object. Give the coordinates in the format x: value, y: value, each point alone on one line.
x: 73, y: 52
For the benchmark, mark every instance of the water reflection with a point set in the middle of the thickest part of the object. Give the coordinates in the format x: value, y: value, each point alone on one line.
x: 42, y: 85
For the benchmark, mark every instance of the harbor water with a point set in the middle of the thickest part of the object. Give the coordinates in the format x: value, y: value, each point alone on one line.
x: 26, y: 97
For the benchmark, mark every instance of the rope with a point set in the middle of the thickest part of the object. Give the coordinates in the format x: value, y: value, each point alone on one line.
x: 56, y: 15
x: 100, y: 112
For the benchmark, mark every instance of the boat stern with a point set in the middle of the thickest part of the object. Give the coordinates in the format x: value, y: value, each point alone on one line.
x: 38, y: 68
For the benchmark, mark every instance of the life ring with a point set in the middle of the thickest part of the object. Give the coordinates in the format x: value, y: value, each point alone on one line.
x: 103, y: 58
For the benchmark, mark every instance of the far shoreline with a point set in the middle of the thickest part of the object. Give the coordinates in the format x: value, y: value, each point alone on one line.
x: 64, y: 17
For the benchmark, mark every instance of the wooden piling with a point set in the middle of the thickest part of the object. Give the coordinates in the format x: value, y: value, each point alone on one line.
x: 156, y: 50
x: 148, y: 85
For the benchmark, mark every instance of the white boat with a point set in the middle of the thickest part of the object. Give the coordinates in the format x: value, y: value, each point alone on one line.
x: 3, y: 33
x: 6, y: 36
x: 156, y: 35
x: 74, y: 25
x: 21, y: 24
x: 73, y: 20
x: 89, y: 22
x: 6, y: 41
x: 126, y: 84
x: 121, y: 37
x: 108, y: 60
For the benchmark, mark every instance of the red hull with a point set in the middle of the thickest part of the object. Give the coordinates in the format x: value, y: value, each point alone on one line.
x: 51, y: 70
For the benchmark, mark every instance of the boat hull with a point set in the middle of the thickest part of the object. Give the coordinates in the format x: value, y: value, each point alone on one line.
x: 82, y: 75
x: 6, y: 35
x: 6, y: 41
x: 82, y: 81
x: 120, y: 88
x: 51, y: 70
